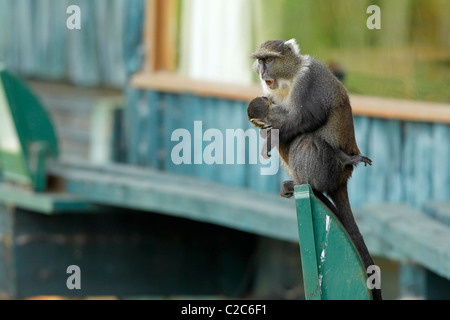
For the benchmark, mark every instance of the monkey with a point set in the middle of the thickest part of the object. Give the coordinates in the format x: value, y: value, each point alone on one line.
x: 311, y: 110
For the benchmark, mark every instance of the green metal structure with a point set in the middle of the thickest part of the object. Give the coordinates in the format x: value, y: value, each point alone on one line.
x: 332, y: 268
x: 27, y: 138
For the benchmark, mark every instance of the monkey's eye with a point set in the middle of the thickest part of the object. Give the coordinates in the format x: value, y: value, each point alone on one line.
x: 269, y: 60
x: 260, y: 60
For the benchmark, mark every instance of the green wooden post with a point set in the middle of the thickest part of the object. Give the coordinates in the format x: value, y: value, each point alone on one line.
x: 27, y: 137
x: 307, y: 243
x: 332, y: 268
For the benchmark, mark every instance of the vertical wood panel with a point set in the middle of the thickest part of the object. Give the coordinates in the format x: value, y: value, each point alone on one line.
x: 154, y: 138
x: 212, y: 118
x: 35, y: 41
x: 227, y: 115
x: 133, y: 96
x: 133, y: 37
x: 410, y: 159
x: 83, y: 63
x: 51, y: 41
x: 379, y: 146
x: 395, y: 189
x: 160, y: 35
x: 417, y: 159
x: 441, y: 162
x: 423, y: 162
x: 173, y: 111
x: 24, y: 23
x: 110, y: 27
x: 358, y: 185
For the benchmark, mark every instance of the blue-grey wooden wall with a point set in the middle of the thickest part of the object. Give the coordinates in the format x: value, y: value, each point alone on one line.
x: 411, y: 159
x: 35, y: 41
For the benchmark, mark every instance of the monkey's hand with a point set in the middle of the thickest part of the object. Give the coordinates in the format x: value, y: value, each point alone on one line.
x: 260, y: 123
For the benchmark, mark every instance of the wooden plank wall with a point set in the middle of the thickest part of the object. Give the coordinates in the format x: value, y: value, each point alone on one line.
x: 410, y: 158
x: 35, y: 41
x: 73, y: 111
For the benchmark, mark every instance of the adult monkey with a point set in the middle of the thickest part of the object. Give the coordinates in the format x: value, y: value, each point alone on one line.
x: 311, y: 110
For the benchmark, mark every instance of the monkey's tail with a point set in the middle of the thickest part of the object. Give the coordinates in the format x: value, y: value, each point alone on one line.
x: 345, y: 216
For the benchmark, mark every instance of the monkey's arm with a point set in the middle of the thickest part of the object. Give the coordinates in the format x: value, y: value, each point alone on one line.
x: 308, y: 114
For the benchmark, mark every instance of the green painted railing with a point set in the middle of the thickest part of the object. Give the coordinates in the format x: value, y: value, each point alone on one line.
x: 332, y: 268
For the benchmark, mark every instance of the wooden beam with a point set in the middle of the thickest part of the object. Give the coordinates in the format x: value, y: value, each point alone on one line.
x: 377, y: 107
x: 181, y: 196
x: 408, y: 110
x: 47, y: 203
x: 420, y: 238
x: 149, y: 35
x: 166, y: 36
x: 170, y: 82
x: 160, y: 36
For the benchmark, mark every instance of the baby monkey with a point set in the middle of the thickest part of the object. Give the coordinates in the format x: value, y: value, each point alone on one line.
x: 258, y: 114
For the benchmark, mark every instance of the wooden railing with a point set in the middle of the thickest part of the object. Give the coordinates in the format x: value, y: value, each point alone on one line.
x: 377, y: 107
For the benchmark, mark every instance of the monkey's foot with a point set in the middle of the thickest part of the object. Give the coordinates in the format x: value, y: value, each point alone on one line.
x: 366, y: 160
x: 355, y: 160
x: 287, y: 189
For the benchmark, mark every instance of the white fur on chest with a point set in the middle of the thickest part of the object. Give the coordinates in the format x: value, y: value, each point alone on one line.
x: 280, y: 94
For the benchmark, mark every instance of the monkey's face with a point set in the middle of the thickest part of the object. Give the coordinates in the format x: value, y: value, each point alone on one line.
x: 265, y: 68
x: 277, y: 60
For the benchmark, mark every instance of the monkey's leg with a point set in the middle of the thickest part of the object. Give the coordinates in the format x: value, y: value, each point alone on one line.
x: 353, y: 160
x: 287, y: 189
x: 313, y: 161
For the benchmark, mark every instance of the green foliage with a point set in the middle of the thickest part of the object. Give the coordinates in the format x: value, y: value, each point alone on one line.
x: 408, y: 58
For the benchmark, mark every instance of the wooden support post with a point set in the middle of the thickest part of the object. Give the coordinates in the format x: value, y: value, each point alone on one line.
x: 308, y: 254
x: 160, y: 36
x: 332, y: 268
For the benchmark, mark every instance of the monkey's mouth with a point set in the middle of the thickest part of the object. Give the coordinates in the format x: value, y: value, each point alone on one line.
x: 270, y: 83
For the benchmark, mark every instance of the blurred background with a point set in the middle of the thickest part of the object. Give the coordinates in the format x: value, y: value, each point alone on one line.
x: 111, y: 200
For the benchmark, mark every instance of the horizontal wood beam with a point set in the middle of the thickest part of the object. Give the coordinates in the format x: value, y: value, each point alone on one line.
x: 376, y: 107
x: 42, y: 202
x: 418, y: 237
x: 407, y: 110
x: 168, y: 82
x: 180, y: 196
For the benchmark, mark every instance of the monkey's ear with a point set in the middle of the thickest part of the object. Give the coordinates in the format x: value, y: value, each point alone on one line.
x: 293, y: 45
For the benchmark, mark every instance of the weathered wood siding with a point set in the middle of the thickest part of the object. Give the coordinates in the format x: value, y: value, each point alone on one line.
x: 411, y: 159
x: 35, y: 41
